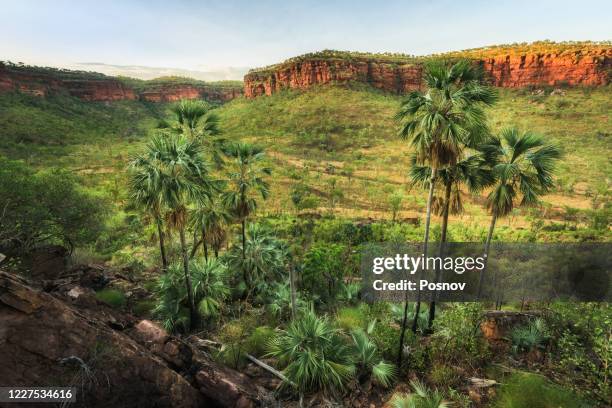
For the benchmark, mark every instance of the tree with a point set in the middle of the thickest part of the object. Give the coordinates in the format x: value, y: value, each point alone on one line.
x: 210, y: 219
x: 441, y: 122
x: 210, y: 289
x: 43, y: 207
x: 246, y: 181
x: 396, y: 199
x: 183, y: 179
x: 195, y: 119
x: 146, y: 193
x: 473, y: 172
x: 261, y: 259
x: 523, y: 166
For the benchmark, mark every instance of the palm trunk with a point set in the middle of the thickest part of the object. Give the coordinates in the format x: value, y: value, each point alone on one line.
x: 293, y: 294
x: 204, y: 244
x: 418, y: 303
x: 432, y: 307
x: 244, y: 270
x: 162, y: 246
x: 425, y: 244
x: 486, y: 255
x: 192, y: 310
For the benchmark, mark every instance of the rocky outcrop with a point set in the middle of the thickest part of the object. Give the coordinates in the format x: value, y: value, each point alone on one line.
x: 301, y: 75
x: 172, y: 93
x: 40, y: 83
x: 63, y: 340
x: 517, y: 71
x: 97, y: 87
x: 579, y: 67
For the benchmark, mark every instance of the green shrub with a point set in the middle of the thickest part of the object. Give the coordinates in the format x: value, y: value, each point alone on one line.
x: 527, y: 338
x: 112, y: 297
x: 443, y: 376
x: 534, y: 391
x: 257, y: 342
x: 208, y: 280
x: 144, y: 307
x: 351, y: 318
x: 315, y: 355
x: 457, y: 337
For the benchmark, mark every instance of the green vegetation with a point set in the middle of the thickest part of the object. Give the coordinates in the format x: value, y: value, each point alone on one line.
x: 112, y: 297
x: 245, y: 223
x: 529, y: 390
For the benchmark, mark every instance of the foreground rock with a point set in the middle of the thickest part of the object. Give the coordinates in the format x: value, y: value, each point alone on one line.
x: 48, y: 342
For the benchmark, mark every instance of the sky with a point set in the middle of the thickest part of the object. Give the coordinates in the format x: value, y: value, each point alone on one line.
x: 223, y: 39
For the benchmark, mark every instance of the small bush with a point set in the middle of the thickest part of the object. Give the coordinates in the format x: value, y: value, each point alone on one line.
x: 257, y: 342
x: 534, y: 391
x: 350, y: 318
x: 443, y: 376
x: 112, y: 297
x: 144, y: 307
x: 529, y: 337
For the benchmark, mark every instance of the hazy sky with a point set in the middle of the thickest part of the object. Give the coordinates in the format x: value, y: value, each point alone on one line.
x: 217, y: 35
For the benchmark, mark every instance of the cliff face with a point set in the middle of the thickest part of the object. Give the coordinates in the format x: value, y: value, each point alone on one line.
x: 95, y: 87
x: 173, y: 93
x: 515, y: 71
x: 41, y: 84
x: 504, y: 70
x: 302, y: 75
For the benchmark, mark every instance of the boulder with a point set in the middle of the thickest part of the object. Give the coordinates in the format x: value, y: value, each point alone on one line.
x: 46, y: 341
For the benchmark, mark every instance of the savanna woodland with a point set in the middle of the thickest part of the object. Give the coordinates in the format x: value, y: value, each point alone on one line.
x: 206, y: 252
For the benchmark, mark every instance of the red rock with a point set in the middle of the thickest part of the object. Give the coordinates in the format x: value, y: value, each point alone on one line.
x: 149, y: 332
x: 509, y: 71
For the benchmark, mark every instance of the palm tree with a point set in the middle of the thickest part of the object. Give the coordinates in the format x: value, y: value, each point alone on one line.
x: 210, y: 219
x: 183, y: 179
x: 246, y: 182
x: 423, y: 397
x: 439, y: 123
x: 146, y: 193
x: 196, y: 120
x: 473, y: 172
x: 523, y: 167
x: 263, y: 256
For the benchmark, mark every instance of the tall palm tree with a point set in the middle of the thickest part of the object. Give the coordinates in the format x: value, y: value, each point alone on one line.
x: 523, y: 165
x: 246, y: 182
x: 439, y: 123
x: 146, y: 193
x: 471, y: 172
x: 210, y: 219
x: 195, y: 119
x: 183, y: 179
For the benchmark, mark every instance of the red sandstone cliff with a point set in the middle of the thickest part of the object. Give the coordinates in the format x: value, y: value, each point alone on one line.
x: 577, y: 67
x: 171, y: 93
x: 41, y: 84
x: 97, y: 87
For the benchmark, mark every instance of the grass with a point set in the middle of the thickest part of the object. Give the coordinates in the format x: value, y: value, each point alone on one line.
x: 112, y: 297
x: 346, y: 133
x: 534, y: 391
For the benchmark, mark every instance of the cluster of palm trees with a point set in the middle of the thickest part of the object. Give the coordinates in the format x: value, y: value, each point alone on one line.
x: 188, y: 179
x: 454, y: 148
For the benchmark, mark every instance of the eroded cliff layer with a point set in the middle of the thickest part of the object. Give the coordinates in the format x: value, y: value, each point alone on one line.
x: 503, y: 67
x: 91, y: 86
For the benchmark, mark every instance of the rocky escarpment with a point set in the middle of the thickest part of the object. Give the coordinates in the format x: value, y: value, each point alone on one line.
x: 41, y: 83
x: 63, y: 336
x: 91, y: 86
x: 504, y: 67
x: 172, y: 93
